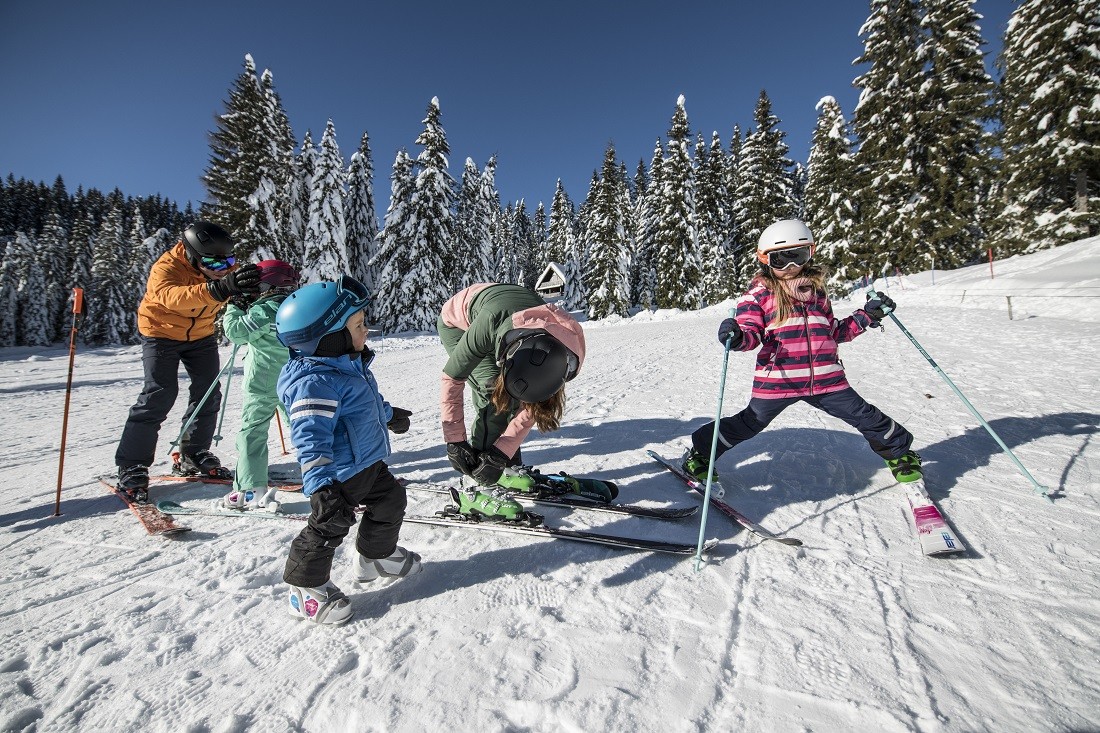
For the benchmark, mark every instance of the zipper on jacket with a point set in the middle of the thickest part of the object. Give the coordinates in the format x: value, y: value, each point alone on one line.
x: 809, y: 345
x: 194, y: 320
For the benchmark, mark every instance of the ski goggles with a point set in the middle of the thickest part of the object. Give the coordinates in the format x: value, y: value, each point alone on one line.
x: 217, y: 264
x: 781, y: 259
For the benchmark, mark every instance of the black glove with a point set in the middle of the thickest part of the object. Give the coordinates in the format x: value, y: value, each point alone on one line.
x: 332, y: 506
x: 241, y: 301
x: 490, y: 467
x: 244, y: 281
x: 878, y: 306
x: 399, y: 423
x: 463, y: 457
x: 730, y: 330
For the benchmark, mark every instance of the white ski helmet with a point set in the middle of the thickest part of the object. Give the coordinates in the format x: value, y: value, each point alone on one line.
x: 783, y: 234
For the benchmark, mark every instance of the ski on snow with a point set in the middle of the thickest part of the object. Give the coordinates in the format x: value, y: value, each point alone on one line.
x: 288, y: 484
x: 445, y: 519
x: 153, y: 520
x: 452, y: 519
x: 723, y: 506
x: 571, y: 501
x: 933, y: 533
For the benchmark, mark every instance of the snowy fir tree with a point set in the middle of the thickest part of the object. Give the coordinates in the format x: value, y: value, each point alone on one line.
x: 607, y: 275
x: 9, y: 294
x: 677, y: 255
x: 81, y: 251
x: 267, y: 223
x: 360, y: 218
x: 137, y: 273
x: 885, y: 123
x: 108, y: 318
x: 325, y: 254
x: 433, y: 229
x: 1050, y: 140
x: 954, y: 107
x: 391, y: 299
x: 646, y: 225
x: 562, y: 247
x: 33, y: 327
x: 473, y: 256
x: 830, y: 211
x: 711, y: 202
x: 764, y: 191
x: 295, y: 210
x: 523, y: 240
x: 53, y: 243
x: 240, y: 159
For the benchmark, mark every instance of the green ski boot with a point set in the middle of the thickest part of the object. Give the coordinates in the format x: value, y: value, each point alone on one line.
x: 696, y: 465
x: 491, y: 504
x: 517, y: 478
x: 906, y: 468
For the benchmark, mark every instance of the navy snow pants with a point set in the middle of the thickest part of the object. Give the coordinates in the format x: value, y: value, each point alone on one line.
x: 887, y: 438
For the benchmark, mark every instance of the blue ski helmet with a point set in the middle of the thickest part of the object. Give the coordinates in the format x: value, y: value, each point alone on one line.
x: 312, y: 311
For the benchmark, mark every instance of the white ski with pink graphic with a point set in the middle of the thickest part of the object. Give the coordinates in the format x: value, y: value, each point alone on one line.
x: 933, y: 532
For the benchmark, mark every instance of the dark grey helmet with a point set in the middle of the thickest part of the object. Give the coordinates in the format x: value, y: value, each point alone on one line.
x: 205, y: 239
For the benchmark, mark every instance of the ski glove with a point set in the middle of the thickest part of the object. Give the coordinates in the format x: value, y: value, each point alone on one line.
x: 730, y: 330
x: 878, y: 306
x: 332, y: 506
x: 490, y: 467
x: 463, y: 457
x: 399, y: 423
x: 244, y: 281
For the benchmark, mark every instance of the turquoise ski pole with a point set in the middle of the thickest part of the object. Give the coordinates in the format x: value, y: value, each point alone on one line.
x: 1039, y: 488
x: 713, y: 453
x: 225, y: 394
x: 195, y: 412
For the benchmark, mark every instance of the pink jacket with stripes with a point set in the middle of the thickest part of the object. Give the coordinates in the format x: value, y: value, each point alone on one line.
x: 798, y: 357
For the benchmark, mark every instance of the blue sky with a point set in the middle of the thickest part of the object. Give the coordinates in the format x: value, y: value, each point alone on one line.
x: 124, y: 93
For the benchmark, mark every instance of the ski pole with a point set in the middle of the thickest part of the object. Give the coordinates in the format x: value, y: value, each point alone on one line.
x: 1039, y: 488
x: 78, y: 316
x: 195, y: 412
x: 713, y: 453
x: 279, y: 422
x: 225, y: 394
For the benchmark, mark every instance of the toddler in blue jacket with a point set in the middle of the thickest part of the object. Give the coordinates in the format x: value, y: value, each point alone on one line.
x: 338, y: 423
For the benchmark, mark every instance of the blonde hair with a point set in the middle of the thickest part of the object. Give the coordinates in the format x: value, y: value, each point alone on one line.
x: 784, y: 301
x: 546, y: 414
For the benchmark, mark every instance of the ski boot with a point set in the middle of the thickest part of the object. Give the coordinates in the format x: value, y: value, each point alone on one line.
x: 490, y: 504
x: 387, y: 570
x: 327, y: 605
x: 906, y: 468
x: 588, y: 488
x: 199, y: 463
x: 134, y: 482
x: 696, y: 465
x: 518, y: 478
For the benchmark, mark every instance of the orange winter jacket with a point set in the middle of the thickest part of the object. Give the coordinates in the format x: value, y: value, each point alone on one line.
x: 177, y: 304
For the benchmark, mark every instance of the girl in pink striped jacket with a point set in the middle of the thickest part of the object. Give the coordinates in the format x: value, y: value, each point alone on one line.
x: 787, y: 314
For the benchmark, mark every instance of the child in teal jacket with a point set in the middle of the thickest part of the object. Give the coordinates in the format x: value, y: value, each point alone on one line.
x: 254, y: 325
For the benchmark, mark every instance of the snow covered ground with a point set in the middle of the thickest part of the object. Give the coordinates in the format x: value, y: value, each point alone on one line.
x: 106, y: 628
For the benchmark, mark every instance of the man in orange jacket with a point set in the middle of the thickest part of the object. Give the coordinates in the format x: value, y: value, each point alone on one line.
x: 187, y: 287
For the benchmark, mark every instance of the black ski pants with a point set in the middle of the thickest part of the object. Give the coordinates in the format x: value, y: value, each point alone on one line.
x: 887, y: 438
x: 332, y: 517
x: 161, y: 358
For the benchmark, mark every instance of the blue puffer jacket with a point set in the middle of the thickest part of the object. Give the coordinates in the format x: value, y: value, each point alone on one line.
x: 337, y: 417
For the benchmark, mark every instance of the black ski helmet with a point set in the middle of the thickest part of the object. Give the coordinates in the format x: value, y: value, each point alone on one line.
x: 204, y: 239
x: 536, y: 366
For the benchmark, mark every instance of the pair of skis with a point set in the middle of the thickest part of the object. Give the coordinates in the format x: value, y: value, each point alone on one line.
x: 931, y: 529
x: 159, y: 519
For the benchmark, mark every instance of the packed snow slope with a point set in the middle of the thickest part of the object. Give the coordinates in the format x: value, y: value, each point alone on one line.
x: 108, y: 629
